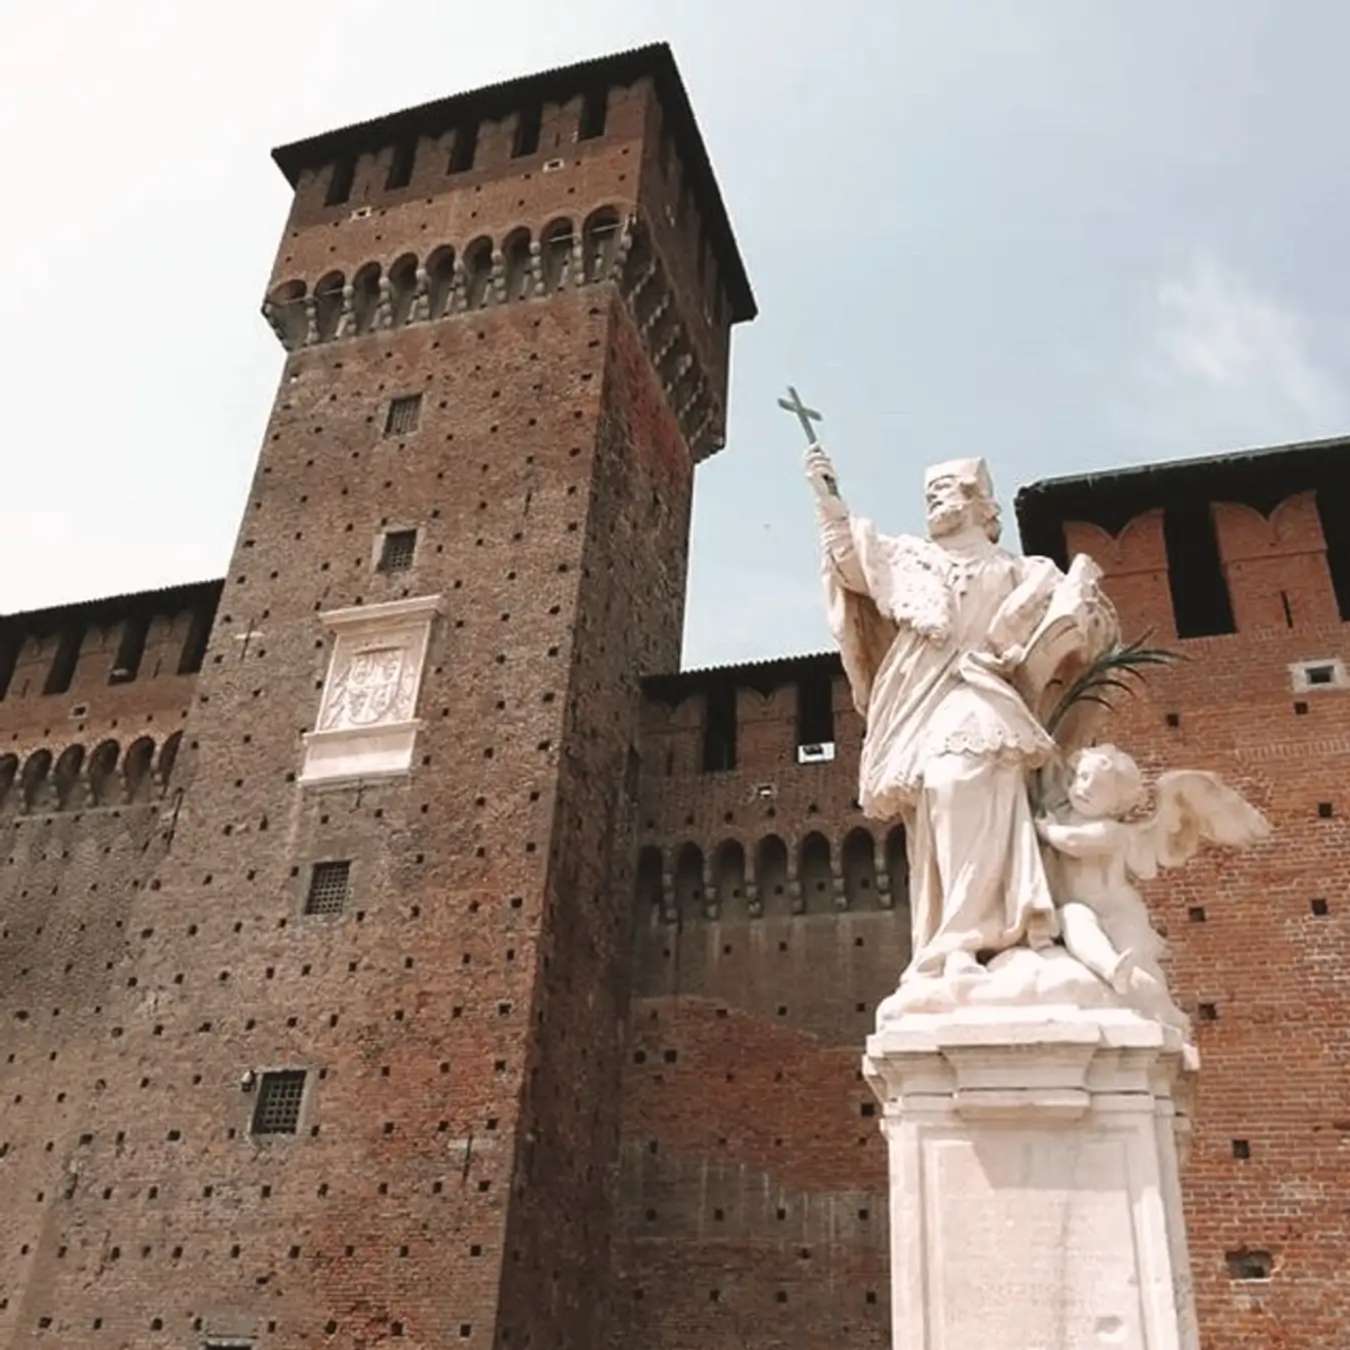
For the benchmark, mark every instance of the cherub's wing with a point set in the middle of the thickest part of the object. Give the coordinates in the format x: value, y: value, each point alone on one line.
x: 1193, y: 808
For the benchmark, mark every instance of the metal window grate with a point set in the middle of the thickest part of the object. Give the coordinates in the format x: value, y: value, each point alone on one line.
x: 278, y: 1108
x: 329, y: 884
x: 403, y: 414
x: 396, y: 552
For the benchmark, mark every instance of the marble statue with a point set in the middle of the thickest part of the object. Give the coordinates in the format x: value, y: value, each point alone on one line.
x: 956, y: 652
x: 1093, y: 851
x: 1035, y: 1077
x: 936, y: 635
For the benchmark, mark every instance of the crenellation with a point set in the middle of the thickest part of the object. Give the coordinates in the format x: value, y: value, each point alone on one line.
x: 1276, y: 564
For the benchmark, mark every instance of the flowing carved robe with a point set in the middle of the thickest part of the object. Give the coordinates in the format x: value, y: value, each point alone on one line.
x: 948, y: 739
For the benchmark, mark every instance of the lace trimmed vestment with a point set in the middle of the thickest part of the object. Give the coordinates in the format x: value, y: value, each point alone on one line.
x: 916, y: 625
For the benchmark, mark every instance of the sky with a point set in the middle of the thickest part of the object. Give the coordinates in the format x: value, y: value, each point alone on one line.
x: 1066, y: 235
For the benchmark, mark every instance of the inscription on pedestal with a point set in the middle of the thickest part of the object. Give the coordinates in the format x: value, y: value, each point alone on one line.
x: 1038, y: 1225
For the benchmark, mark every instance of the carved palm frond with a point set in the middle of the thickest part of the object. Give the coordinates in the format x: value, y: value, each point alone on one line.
x: 1104, y: 675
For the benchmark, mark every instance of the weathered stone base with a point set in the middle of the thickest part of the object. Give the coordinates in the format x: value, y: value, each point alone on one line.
x: 1035, y: 1201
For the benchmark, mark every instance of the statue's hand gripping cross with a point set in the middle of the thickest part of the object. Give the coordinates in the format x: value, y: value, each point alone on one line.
x: 793, y: 404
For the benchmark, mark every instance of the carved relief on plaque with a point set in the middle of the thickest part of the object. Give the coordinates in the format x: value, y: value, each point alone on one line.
x: 375, y: 684
x: 367, y: 720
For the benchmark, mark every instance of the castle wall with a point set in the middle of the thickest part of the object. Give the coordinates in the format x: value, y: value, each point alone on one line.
x: 1254, y: 937
x: 451, y: 1010
x: 754, y: 1184
x: 770, y: 919
x: 93, y: 776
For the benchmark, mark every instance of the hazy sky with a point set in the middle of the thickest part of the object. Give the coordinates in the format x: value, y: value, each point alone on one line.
x: 1065, y: 234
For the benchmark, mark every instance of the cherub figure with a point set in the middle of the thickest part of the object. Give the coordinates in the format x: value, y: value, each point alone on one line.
x: 1093, y: 852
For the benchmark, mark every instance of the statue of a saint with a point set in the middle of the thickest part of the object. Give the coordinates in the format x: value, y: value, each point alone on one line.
x: 934, y: 635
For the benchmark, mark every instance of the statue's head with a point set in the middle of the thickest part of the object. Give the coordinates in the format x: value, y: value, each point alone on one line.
x: 960, y: 493
x: 1104, y: 782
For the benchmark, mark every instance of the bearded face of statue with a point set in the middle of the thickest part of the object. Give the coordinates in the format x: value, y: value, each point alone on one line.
x: 954, y: 503
x: 948, y: 506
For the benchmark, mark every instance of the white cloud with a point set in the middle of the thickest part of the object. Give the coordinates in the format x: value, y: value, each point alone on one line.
x: 1226, y: 365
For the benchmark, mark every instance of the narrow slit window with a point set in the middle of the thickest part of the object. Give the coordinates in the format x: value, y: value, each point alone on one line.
x: 397, y: 550
x: 62, y: 669
x: 401, y: 165
x: 403, y: 416
x: 465, y: 149
x: 279, y: 1097
x: 195, y: 643
x: 527, y: 130
x: 1200, y: 599
x: 130, y: 649
x: 815, y: 719
x: 594, y: 107
x: 9, y: 658
x: 1334, y: 531
x: 329, y: 886
x: 719, y: 729
x: 340, y: 181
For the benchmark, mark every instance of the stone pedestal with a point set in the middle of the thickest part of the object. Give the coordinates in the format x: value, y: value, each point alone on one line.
x: 1034, y: 1193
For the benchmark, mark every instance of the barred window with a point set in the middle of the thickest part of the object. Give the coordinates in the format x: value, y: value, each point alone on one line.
x: 278, y: 1108
x: 397, y: 549
x: 329, y: 884
x: 403, y: 414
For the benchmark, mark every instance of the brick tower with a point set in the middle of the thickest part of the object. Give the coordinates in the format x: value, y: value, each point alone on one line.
x: 322, y: 1046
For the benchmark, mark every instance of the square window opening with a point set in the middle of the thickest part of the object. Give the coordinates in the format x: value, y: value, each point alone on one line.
x: 1245, y: 1264
x: 1321, y: 673
x: 397, y: 550
x: 404, y: 413
x: 821, y: 753
x: 279, y: 1097
x: 329, y: 886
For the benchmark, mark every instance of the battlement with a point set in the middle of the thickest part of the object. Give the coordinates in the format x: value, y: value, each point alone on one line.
x: 760, y: 716
x: 504, y: 127
x: 89, y: 693
x: 1242, y: 542
x: 582, y: 176
x: 77, y: 652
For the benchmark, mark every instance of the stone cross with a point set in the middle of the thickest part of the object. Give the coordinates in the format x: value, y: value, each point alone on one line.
x: 803, y: 414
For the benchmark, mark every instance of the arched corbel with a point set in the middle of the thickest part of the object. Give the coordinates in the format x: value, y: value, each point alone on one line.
x: 420, y: 311
x: 384, y: 308
x: 346, y: 324
x: 884, y: 897
x: 711, y: 908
